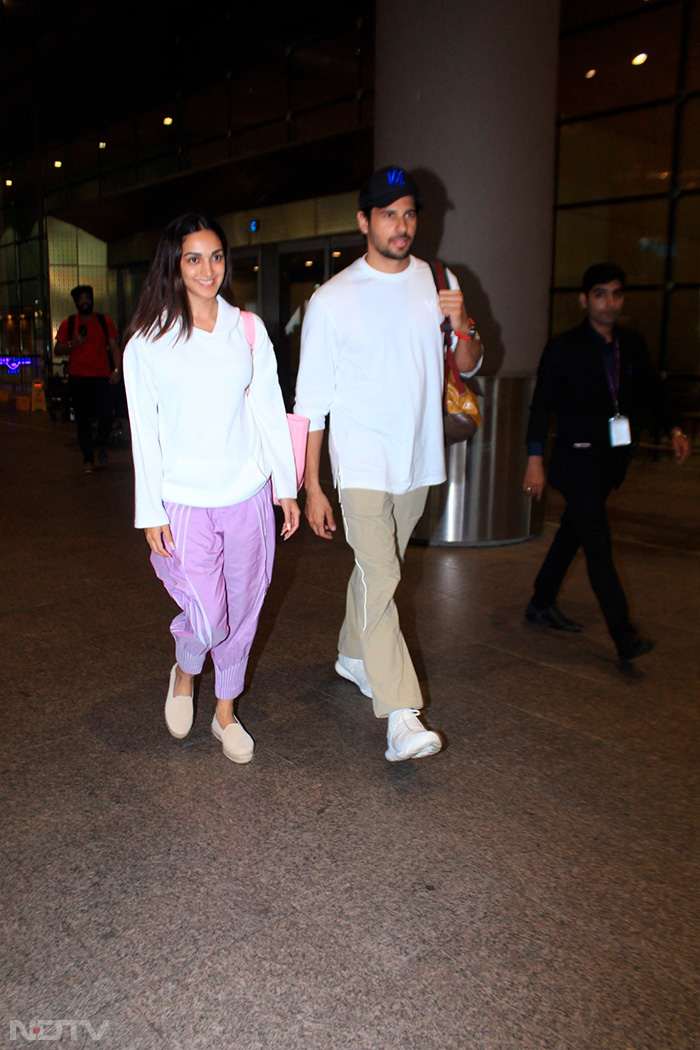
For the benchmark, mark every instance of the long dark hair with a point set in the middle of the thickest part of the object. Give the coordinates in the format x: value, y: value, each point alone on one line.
x: 163, y: 302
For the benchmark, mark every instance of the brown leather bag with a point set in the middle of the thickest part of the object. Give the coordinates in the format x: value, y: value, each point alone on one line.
x: 462, y: 416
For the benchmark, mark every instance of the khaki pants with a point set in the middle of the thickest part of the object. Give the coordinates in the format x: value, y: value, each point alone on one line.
x: 378, y: 526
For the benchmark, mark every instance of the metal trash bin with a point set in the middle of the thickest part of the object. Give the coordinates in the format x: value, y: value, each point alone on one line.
x: 482, y: 502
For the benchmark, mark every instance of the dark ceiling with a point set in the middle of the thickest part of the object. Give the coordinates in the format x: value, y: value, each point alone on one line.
x: 69, y: 68
x: 68, y: 65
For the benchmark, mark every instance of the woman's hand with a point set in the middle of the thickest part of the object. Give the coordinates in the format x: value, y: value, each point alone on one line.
x: 292, y: 517
x: 156, y: 538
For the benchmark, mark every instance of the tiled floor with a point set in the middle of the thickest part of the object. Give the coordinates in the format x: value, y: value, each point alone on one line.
x: 534, y: 886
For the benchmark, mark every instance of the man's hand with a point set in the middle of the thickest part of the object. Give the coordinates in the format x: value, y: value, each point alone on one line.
x: 535, y: 480
x: 467, y: 351
x: 156, y: 538
x: 319, y: 514
x: 681, y: 447
x: 114, y: 377
x: 452, y: 306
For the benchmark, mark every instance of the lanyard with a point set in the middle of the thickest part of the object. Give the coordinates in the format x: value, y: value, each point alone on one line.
x: 614, y: 384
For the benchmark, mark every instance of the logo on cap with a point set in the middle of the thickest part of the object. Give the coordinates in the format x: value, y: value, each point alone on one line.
x: 395, y: 177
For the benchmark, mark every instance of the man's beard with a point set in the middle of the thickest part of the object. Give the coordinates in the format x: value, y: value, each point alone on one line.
x: 85, y: 309
x: 389, y: 253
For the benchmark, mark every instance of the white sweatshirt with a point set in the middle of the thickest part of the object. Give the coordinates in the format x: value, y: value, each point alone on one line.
x: 208, y: 424
x: 372, y: 356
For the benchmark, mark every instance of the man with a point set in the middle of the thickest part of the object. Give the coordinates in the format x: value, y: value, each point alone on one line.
x: 94, y: 363
x: 372, y: 358
x: 597, y: 378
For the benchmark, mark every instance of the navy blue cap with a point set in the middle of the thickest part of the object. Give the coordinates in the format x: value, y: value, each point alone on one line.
x: 386, y: 186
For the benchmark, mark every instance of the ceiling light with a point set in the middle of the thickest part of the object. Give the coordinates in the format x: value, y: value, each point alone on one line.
x: 639, y: 59
x: 167, y: 121
x: 591, y: 73
x: 8, y: 182
x: 309, y: 262
x: 102, y: 145
x: 58, y: 164
x: 336, y: 255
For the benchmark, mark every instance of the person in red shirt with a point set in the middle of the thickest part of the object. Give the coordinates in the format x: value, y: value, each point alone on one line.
x: 94, y: 363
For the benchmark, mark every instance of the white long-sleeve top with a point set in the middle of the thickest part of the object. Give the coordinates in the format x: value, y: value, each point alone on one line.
x: 372, y: 356
x: 208, y: 423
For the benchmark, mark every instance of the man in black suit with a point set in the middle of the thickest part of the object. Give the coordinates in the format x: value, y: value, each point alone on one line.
x: 598, y: 378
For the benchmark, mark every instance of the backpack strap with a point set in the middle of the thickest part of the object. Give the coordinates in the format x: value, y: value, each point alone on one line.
x: 249, y: 328
x: 103, y: 323
x: 438, y: 271
x: 100, y: 318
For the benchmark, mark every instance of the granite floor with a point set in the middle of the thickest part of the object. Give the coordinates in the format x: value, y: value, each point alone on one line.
x: 534, y: 886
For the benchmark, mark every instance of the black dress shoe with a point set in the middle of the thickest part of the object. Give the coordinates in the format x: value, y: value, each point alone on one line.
x: 550, y: 617
x: 637, y: 647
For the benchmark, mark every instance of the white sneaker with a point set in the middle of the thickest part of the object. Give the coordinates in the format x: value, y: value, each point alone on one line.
x: 406, y: 737
x: 237, y: 743
x: 179, y: 710
x: 354, y: 671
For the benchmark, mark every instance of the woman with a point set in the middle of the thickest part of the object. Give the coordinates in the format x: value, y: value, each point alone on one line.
x: 209, y: 431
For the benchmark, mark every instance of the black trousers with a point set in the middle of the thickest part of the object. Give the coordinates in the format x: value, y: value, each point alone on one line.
x: 91, y: 400
x: 585, y: 524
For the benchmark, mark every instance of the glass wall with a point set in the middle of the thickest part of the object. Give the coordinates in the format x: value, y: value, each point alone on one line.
x: 628, y: 186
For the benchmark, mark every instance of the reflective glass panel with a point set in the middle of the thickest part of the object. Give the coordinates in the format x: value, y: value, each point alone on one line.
x: 576, y: 13
x: 300, y: 273
x: 616, y: 156
x: 245, y: 283
x: 343, y: 255
x: 689, y: 175
x: 631, y: 235
x: 687, y: 264
x: 609, y: 51
x: 693, y: 68
x: 683, y: 354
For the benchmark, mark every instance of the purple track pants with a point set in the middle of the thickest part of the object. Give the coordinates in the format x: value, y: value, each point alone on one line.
x: 219, y: 574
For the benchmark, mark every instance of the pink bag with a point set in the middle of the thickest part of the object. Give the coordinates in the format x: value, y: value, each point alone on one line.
x: 298, y: 425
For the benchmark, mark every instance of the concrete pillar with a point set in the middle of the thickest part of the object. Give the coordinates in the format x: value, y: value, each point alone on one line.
x: 466, y: 100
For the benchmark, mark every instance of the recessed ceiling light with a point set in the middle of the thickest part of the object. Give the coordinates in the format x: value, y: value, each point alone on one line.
x: 309, y: 262
x: 103, y: 145
x: 58, y: 164
x: 167, y: 121
x: 8, y: 182
x: 640, y: 59
x: 336, y: 255
x: 591, y: 73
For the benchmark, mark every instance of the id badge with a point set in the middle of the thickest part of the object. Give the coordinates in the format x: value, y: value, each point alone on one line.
x: 620, y: 433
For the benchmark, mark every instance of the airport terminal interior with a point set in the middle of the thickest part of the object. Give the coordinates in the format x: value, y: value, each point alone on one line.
x: 534, y: 885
